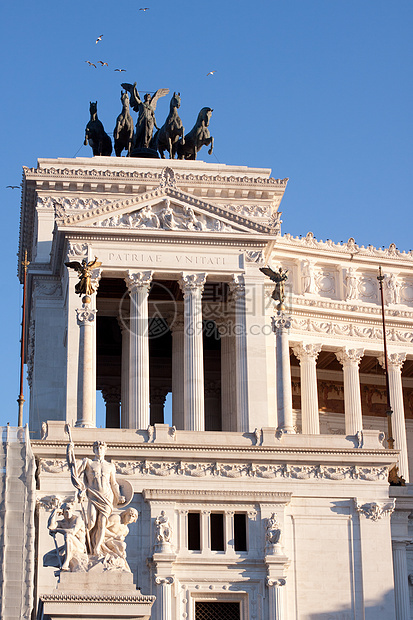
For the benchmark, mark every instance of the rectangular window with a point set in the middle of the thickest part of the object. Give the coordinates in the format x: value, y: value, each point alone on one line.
x: 217, y: 531
x: 217, y: 611
x: 240, y: 531
x: 194, y: 531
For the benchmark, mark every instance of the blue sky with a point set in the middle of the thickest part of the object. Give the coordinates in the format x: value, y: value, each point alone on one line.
x: 319, y: 91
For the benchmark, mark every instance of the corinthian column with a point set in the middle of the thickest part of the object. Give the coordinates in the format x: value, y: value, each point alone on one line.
x: 178, y: 345
x: 307, y: 355
x: 192, y: 285
x: 237, y: 288
x: 350, y: 360
x: 124, y: 325
x: 138, y: 284
x: 276, y: 589
x: 281, y: 325
x: 395, y: 363
x: 86, y: 394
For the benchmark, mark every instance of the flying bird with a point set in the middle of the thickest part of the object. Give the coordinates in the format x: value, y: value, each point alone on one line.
x: 13, y: 186
x: 91, y: 64
x: 104, y: 64
x: 145, y: 9
x: 119, y: 69
x: 99, y: 38
x: 211, y: 73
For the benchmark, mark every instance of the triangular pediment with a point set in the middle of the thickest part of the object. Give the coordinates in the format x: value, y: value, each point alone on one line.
x: 165, y: 208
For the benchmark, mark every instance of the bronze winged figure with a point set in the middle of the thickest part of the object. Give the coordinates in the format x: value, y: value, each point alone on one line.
x: 146, y: 113
x: 279, y: 277
x: 85, y: 271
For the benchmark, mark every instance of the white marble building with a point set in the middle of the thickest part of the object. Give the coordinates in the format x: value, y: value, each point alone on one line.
x: 268, y: 497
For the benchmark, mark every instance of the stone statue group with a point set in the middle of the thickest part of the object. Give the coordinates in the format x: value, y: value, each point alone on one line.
x: 141, y: 141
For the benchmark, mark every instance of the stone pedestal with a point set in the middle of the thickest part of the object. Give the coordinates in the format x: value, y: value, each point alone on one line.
x: 96, y: 595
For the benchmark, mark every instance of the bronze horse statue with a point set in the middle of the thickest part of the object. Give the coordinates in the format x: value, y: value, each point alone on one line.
x: 123, y: 132
x: 198, y: 137
x: 95, y: 134
x: 166, y: 138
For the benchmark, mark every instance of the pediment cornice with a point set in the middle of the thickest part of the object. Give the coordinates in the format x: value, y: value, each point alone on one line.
x: 102, y: 210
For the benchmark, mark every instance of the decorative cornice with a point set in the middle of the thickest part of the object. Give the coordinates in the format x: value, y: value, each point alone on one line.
x: 349, y: 248
x: 96, y: 598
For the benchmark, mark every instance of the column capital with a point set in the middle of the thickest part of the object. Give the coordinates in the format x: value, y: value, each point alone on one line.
x: 124, y: 323
x: 111, y: 394
x: 280, y: 322
x: 307, y: 350
x: 175, y: 321
x: 237, y: 286
x: 158, y: 396
x: 394, y: 360
x: 349, y: 357
x: 270, y: 582
x: 192, y: 282
x: 138, y: 280
x: 85, y: 316
x: 164, y: 581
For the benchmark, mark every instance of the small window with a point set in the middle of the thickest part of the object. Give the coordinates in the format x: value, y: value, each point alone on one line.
x: 240, y: 531
x: 194, y: 531
x: 217, y: 531
x: 217, y: 611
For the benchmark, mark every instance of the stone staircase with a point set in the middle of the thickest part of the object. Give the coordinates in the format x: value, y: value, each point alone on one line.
x: 17, y: 532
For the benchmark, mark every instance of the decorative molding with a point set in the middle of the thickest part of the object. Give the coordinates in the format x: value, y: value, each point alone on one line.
x: 349, y: 330
x: 249, y: 470
x: 96, y: 598
x: 375, y: 510
x: 275, y: 582
x: 85, y: 315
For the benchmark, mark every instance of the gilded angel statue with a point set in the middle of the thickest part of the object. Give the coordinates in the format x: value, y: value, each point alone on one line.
x: 146, y: 113
x: 85, y: 271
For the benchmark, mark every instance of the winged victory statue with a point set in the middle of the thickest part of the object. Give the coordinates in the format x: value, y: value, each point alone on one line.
x: 146, y: 114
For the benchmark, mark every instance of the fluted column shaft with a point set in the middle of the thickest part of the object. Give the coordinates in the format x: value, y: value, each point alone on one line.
x: 281, y: 325
x: 124, y: 325
x: 138, y: 284
x: 86, y: 395
x: 192, y: 286
x: 307, y: 354
x: 276, y: 589
x: 401, y: 586
x: 237, y: 288
x: 350, y: 360
x: 227, y: 378
x: 178, y: 345
x: 164, y: 597
x: 395, y: 363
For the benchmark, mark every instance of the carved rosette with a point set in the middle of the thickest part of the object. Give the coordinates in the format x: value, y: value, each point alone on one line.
x: 139, y: 281
x: 85, y: 316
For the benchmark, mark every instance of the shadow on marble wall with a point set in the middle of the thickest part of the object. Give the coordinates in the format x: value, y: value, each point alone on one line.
x: 383, y: 610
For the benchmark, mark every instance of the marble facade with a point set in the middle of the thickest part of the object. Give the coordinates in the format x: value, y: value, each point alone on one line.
x: 274, y: 416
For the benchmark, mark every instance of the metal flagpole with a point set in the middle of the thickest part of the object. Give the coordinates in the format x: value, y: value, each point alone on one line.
x: 394, y: 478
x: 20, y: 399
